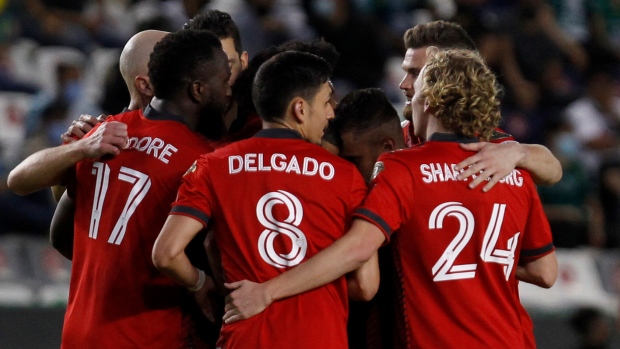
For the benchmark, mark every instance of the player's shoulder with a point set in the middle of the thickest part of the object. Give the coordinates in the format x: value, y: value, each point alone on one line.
x: 124, y: 115
x: 500, y: 136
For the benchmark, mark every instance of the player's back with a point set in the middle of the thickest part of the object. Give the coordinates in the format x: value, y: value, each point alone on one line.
x: 117, y: 298
x: 277, y: 200
x: 458, y: 248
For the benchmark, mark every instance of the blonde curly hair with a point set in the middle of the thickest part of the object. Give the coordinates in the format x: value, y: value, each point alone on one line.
x: 463, y: 91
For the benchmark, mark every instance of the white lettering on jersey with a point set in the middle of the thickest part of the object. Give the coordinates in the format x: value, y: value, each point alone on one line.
x: 257, y: 162
x: 436, y: 172
x: 153, y: 146
x: 264, y: 213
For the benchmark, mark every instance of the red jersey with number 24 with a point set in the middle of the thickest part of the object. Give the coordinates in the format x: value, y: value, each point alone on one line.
x: 457, y: 248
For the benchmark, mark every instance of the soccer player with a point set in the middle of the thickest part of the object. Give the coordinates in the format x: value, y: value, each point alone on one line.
x: 296, y: 199
x: 368, y: 126
x: 117, y: 297
x: 133, y: 64
x: 221, y: 24
x: 496, y: 160
x: 43, y: 169
x: 460, y: 251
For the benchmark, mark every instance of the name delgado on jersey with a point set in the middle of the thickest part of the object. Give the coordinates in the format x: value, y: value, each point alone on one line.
x: 257, y: 162
x: 436, y: 172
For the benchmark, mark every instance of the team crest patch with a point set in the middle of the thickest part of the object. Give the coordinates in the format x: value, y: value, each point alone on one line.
x: 191, y: 169
x: 377, y: 169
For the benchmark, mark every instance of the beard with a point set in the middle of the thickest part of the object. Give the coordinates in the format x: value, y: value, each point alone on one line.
x: 408, y: 112
x: 211, y: 124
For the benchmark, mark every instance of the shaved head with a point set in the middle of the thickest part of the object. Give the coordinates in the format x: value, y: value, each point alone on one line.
x: 135, y: 56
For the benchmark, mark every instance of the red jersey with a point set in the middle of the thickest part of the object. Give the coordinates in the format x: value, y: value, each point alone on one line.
x: 117, y: 298
x: 274, y: 201
x: 457, y: 249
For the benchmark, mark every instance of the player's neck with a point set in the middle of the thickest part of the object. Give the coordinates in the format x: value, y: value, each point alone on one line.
x: 185, y: 110
x: 435, y: 126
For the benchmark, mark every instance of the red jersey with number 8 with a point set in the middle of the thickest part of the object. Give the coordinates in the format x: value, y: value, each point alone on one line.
x: 274, y: 201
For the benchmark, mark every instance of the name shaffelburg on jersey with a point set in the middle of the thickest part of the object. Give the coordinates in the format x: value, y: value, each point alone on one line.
x: 258, y: 162
x: 436, y: 172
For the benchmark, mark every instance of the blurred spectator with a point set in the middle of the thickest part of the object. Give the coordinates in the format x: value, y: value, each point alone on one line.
x: 363, y: 42
x: 592, y: 328
x: 605, y: 27
x: 76, y: 23
x: 264, y: 23
x: 8, y: 34
x: 572, y: 205
x: 31, y: 213
x: 595, y: 118
x: 70, y: 92
x: 595, y: 123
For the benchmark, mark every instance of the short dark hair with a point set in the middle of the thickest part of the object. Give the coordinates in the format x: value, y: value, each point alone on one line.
x: 177, y: 57
x: 285, y: 76
x: 218, y: 22
x: 365, y: 110
x: 443, y: 34
x: 242, y: 90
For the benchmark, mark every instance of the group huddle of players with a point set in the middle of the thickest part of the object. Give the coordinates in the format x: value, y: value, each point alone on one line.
x: 237, y: 178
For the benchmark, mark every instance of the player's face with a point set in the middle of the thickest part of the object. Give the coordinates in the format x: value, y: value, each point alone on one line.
x: 362, y: 151
x: 415, y: 58
x: 321, y: 111
x: 215, y: 97
x: 420, y: 118
x: 219, y: 88
x: 237, y: 61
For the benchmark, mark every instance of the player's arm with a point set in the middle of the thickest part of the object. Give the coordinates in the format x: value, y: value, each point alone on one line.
x: 169, y: 250
x: 363, y: 282
x: 169, y: 257
x: 498, y: 160
x: 78, y: 129
x: 48, y: 167
x: 541, y: 272
x: 346, y: 254
x: 61, y: 228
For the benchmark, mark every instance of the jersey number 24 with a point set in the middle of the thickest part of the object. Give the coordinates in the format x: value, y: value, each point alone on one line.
x: 445, y: 269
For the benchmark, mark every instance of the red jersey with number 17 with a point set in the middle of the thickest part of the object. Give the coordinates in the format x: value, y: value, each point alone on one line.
x: 274, y: 201
x: 457, y: 249
x: 117, y: 298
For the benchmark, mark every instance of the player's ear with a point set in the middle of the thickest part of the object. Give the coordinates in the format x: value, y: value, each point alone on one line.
x: 389, y: 144
x: 298, y: 108
x: 143, y: 85
x: 243, y: 57
x: 197, y: 90
x: 427, y: 106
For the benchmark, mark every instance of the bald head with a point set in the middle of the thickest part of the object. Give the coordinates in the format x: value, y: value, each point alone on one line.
x: 135, y: 56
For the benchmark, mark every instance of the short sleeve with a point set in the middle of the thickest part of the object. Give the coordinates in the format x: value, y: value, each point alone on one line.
x: 194, y: 198
x: 359, y: 190
x: 388, y: 202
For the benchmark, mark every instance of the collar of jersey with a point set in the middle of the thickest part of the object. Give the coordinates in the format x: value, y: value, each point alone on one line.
x: 278, y: 133
x: 157, y: 115
x: 451, y: 137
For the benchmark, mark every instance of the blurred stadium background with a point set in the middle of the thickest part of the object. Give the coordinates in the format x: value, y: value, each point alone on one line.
x: 558, y: 62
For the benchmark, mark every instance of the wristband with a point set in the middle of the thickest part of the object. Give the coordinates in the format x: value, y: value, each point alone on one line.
x: 200, y: 283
